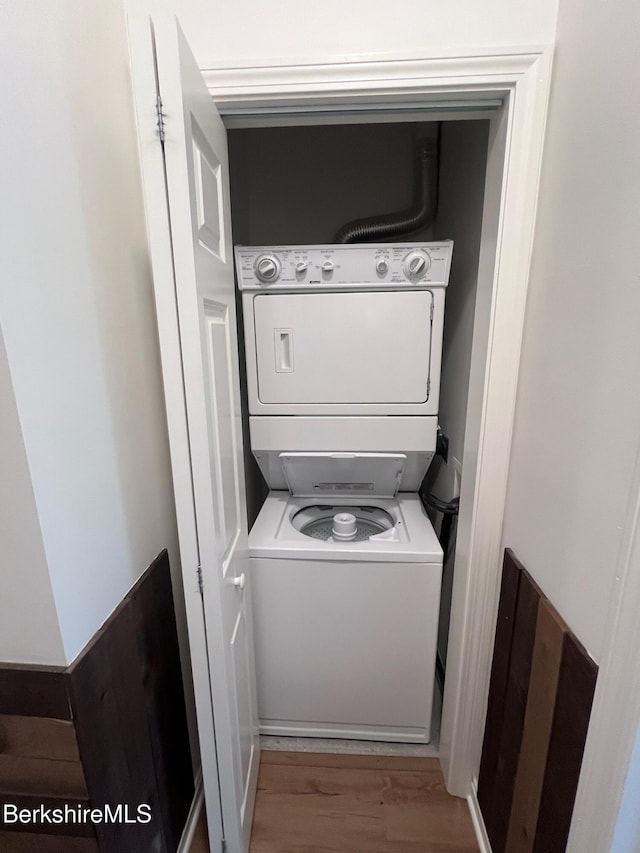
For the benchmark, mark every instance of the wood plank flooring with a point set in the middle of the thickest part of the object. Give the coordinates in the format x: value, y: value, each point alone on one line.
x: 317, y: 803
x: 200, y: 841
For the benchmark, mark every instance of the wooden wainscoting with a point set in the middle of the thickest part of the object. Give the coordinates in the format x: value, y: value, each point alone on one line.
x: 540, y: 695
x: 109, y: 729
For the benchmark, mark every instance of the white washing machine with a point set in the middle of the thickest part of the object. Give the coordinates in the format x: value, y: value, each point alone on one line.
x: 345, y: 629
x: 345, y: 565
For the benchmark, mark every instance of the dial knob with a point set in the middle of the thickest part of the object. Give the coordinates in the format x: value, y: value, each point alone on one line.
x: 267, y: 268
x: 327, y: 266
x: 382, y: 266
x: 416, y: 265
x: 302, y: 267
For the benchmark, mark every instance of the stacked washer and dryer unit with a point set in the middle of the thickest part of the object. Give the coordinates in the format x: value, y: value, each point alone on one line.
x: 343, y: 350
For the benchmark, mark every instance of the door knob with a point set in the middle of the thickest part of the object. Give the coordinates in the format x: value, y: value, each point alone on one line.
x: 239, y: 581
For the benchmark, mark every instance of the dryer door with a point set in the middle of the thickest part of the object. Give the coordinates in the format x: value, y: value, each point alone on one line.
x: 343, y: 348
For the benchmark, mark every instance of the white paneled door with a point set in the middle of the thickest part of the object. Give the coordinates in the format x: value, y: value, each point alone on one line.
x: 186, y: 183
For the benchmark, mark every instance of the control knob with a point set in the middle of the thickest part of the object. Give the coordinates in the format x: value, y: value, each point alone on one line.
x: 327, y: 266
x: 267, y: 268
x: 416, y: 265
x: 302, y: 267
x: 382, y: 266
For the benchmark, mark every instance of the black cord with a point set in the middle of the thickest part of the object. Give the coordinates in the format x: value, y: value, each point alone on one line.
x: 449, y: 544
x: 449, y: 511
x: 438, y: 149
x: 430, y: 501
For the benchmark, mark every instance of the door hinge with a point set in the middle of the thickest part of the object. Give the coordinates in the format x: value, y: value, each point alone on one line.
x: 428, y: 388
x: 160, y: 115
x: 431, y: 313
x: 224, y: 846
x: 200, y: 584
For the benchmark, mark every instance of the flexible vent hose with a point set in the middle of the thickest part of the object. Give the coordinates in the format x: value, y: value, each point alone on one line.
x: 378, y: 228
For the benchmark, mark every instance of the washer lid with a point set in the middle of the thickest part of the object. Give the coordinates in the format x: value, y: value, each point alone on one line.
x: 373, y: 475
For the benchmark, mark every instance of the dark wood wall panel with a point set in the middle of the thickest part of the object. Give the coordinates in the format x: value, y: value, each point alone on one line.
x: 515, y: 703
x: 498, y: 686
x: 110, y: 729
x: 154, y: 618
x: 540, y: 696
x: 109, y: 708
x: 576, y: 686
x: 545, y: 668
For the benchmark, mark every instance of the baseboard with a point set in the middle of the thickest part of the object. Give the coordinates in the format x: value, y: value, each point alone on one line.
x: 286, y: 728
x: 193, y: 816
x: 478, y: 821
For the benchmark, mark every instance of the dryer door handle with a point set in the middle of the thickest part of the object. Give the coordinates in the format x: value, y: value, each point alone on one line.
x: 283, y: 339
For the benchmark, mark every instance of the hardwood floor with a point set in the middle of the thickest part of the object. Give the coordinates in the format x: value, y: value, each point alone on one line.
x: 316, y: 803
x: 200, y: 841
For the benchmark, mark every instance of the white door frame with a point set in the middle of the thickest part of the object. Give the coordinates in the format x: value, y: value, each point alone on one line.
x: 519, y: 78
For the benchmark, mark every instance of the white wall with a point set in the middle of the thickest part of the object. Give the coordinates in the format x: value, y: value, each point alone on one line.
x: 301, y: 184
x: 29, y: 631
x: 255, y: 32
x: 463, y: 163
x: 627, y: 833
x: 76, y: 307
x: 578, y: 410
x: 462, y: 179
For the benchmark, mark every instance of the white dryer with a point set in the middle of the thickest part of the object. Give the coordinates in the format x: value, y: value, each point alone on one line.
x: 343, y: 350
x: 344, y: 330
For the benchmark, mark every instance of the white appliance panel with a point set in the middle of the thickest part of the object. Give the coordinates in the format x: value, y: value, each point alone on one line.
x: 370, y: 266
x: 373, y: 475
x: 345, y: 649
x: 343, y: 348
x: 273, y: 435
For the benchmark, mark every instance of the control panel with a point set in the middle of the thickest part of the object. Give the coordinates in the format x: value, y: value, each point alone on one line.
x: 375, y: 266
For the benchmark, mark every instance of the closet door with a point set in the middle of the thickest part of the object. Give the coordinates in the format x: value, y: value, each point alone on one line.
x: 186, y: 182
